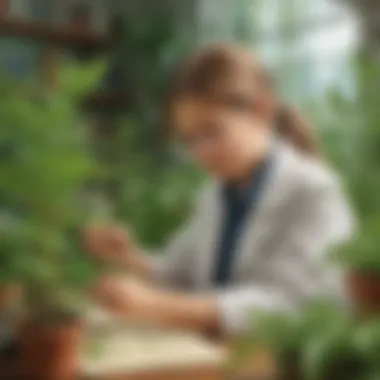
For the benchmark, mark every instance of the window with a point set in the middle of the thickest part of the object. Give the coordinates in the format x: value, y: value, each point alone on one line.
x: 307, y: 43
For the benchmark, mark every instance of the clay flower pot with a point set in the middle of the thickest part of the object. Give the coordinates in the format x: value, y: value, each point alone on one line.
x: 50, y: 350
x: 364, y: 290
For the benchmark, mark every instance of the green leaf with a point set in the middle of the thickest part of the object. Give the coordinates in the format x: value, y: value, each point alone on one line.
x: 76, y: 81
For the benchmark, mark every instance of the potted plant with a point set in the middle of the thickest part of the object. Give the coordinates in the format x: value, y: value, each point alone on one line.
x: 361, y: 261
x: 333, y: 355
x: 45, y: 164
x: 324, y: 342
x: 276, y: 334
x: 346, y: 351
x: 285, y: 335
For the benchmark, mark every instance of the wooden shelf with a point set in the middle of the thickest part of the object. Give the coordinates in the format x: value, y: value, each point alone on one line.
x: 60, y: 35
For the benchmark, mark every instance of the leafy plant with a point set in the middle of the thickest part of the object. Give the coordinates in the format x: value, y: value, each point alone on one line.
x: 153, y: 199
x: 362, y: 251
x: 355, y: 121
x: 323, y: 342
x: 148, y: 51
x: 286, y: 333
x: 349, y: 352
x: 45, y: 163
x: 146, y: 183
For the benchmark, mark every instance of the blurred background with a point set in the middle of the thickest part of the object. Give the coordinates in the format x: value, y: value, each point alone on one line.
x: 324, y: 54
x: 83, y: 137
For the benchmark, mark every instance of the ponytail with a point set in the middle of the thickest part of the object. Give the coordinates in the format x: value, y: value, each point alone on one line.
x: 294, y: 128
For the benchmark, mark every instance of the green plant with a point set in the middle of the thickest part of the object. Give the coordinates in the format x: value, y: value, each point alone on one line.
x: 157, y: 208
x: 349, y: 351
x: 352, y: 139
x: 332, y: 354
x: 361, y: 253
x: 323, y: 342
x: 153, y: 199
x: 45, y: 164
x: 286, y: 333
x: 146, y: 183
x: 149, y: 50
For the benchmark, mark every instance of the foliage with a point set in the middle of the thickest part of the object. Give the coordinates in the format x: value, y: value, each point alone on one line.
x: 148, y: 51
x: 153, y: 200
x: 355, y: 124
x: 44, y: 165
x: 323, y: 342
x: 350, y: 351
x: 285, y: 333
x: 362, y: 252
x: 77, y: 81
x: 146, y: 183
x: 156, y: 207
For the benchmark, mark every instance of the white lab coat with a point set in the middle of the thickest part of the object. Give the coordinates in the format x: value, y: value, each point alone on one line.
x: 280, y: 261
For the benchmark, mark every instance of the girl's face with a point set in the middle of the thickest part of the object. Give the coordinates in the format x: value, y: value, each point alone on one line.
x: 225, y: 141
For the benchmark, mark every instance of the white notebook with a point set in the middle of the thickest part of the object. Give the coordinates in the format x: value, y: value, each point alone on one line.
x: 114, y: 348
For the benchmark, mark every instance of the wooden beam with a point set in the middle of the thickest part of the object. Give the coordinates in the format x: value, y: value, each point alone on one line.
x: 60, y: 35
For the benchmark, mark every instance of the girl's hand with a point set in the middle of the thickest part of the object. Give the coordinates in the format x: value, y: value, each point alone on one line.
x: 134, y: 299
x: 108, y: 243
x: 127, y: 297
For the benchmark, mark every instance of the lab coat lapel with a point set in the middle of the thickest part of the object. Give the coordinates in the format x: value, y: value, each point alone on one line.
x: 256, y: 227
x: 209, y: 234
x: 260, y: 218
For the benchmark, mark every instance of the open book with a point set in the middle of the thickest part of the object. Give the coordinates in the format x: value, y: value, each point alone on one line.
x: 116, y: 348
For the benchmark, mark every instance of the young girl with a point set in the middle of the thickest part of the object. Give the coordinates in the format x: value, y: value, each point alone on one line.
x: 259, y: 228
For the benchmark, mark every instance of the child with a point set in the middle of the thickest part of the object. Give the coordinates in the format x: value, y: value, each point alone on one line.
x: 260, y: 226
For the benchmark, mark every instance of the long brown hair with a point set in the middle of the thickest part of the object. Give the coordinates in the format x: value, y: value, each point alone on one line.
x: 230, y: 74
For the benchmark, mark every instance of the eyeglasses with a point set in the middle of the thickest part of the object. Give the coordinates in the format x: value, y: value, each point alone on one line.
x: 208, y: 135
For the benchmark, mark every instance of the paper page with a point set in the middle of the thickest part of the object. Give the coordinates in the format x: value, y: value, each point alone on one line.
x: 129, y: 347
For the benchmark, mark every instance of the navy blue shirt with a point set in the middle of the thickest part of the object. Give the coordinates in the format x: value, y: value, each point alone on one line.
x: 238, y: 203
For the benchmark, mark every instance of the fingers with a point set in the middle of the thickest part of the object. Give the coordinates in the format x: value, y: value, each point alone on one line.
x: 106, y: 242
x: 92, y: 239
x: 120, y: 238
x: 127, y: 297
x: 110, y: 294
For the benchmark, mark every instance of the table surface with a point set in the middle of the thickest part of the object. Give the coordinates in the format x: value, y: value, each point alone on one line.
x: 256, y: 368
x: 182, y: 374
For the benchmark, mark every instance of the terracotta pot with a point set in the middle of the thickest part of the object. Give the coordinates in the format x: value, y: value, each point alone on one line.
x: 51, y: 350
x: 364, y: 290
